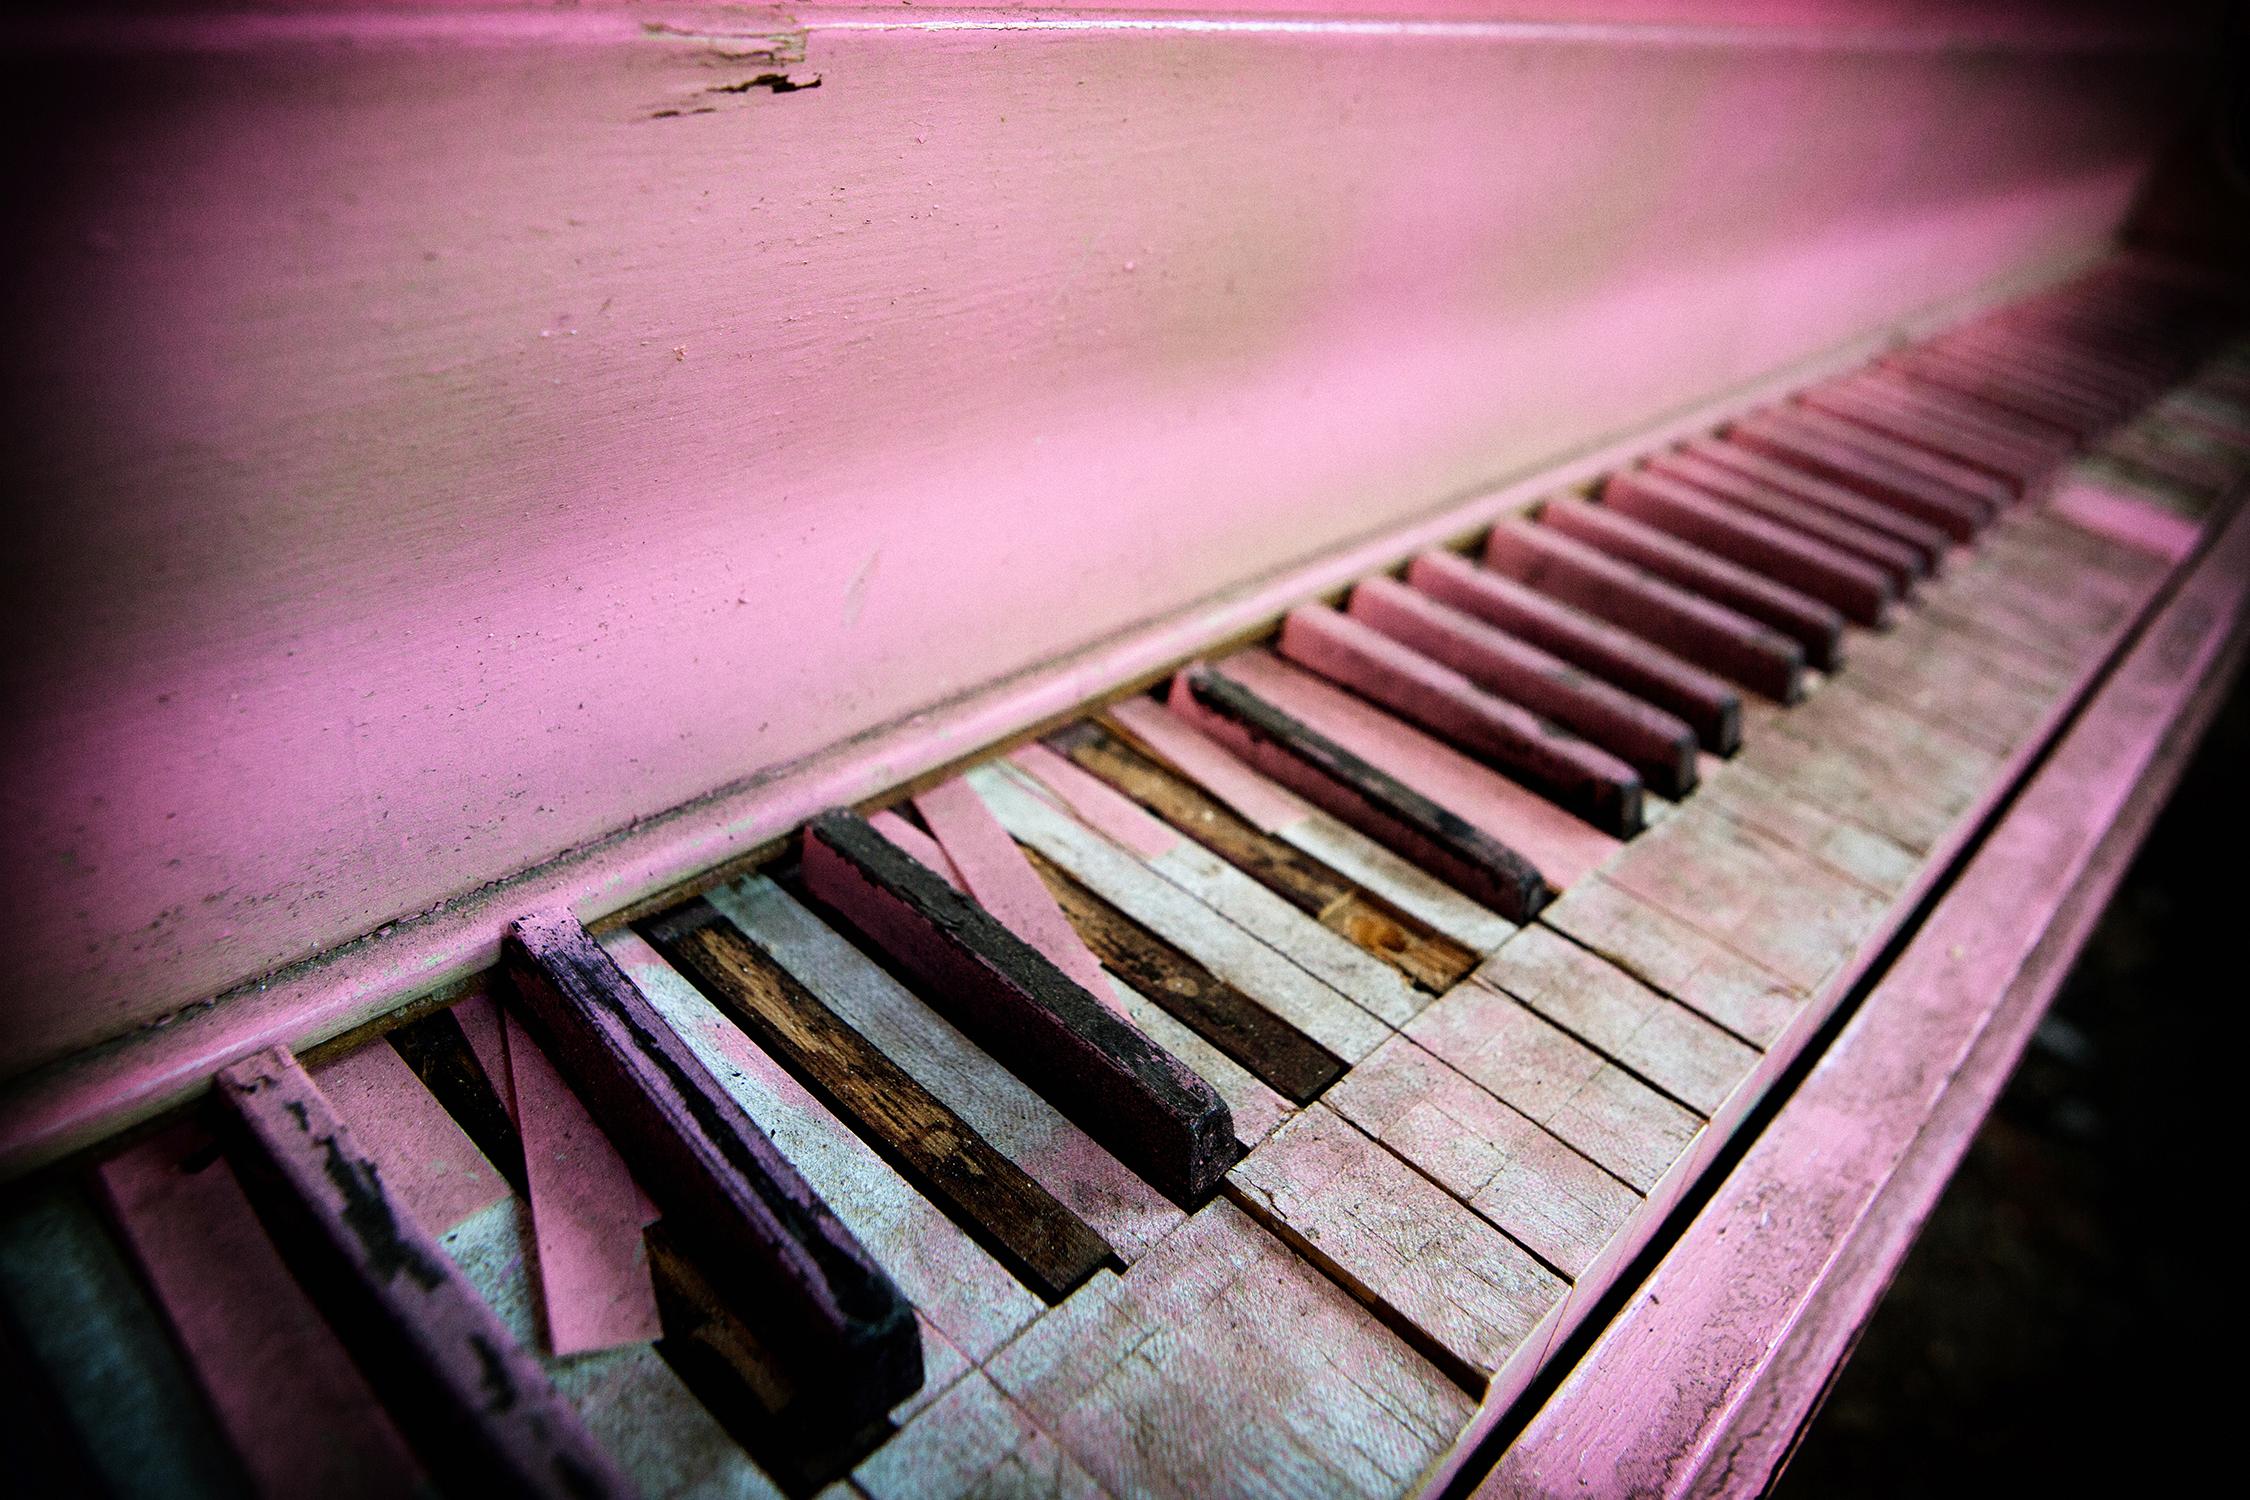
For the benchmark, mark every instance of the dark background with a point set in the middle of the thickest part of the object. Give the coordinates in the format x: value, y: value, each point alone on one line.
x: 2067, y: 1323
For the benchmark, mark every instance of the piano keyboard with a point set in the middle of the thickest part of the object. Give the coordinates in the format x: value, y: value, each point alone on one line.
x: 1241, y: 1089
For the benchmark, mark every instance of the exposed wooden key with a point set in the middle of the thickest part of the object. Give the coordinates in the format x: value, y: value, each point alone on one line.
x: 1148, y: 1108
x: 1901, y: 564
x: 1929, y: 542
x: 1576, y: 773
x: 1050, y: 1249
x: 827, y: 1313
x: 1816, y: 627
x: 478, y: 1410
x: 1421, y: 952
x: 1377, y: 804
x: 1276, y: 1053
x: 1862, y: 591
x: 1710, y: 634
x: 1785, y: 436
x: 1710, y: 707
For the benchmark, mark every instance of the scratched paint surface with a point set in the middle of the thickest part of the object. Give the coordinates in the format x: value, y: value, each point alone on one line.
x: 441, y: 455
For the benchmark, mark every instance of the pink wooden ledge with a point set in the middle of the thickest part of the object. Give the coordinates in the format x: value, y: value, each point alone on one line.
x: 1700, y: 1384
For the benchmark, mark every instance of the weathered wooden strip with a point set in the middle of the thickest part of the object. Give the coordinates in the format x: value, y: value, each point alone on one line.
x: 2126, y: 516
x: 438, y: 1049
x: 1179, y: 918
x: 993, y: 870
x: 1121, y: 1207
x: 1902, y: 564
x: 1241, y: 1361
x: 1609, y: 1010
x: 298, y: 1412
x: 1709, y: 634
x: 1751, y: 893
x: 1930, y: 543
x: 1143, y: 722
x: 1649, y: 672
x: 1787, y: 437
x: 1141, y: 1103
x: 1003, y: 1209
x: 920, y: 845
x: 1541, y: 1193
x: 1375, y: 802
x: 587, y: 1211
x: 429, y: 1163
x: 1287, y: 1060
x: 478, y: 1409
x: 1462, y: 1291
x: 1817, y: 628
x: 1860, y: 591
x: 973, y: 1443
x: 1576, y: 773
x: 1562, y: 846
x: 1886, y: 769
x: 1980, y: 689
x: 953, y: 1283
x: 1299, y: 937
x: 1990, y: 454
x: 1405, y: 886
x: 1416, y: 948
x: 1658, y: 745
x: 1256, y: 1108
x: 1857, y: 853
x: 1556, y: 1081
x: 829, y: 1316
x: 127, y: 1414
x: 1671, y: 955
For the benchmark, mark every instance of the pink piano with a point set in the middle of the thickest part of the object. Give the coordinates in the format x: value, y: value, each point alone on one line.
x: 913, y: 750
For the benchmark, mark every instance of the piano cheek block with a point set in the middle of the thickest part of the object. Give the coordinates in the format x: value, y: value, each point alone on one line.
x: 1142, y: 1104
x: 830, y: 1320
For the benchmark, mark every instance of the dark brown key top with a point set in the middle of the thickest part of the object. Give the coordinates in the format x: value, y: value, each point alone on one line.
x: 1707, y: 705
x: 1045, y: 1245
x: 1859, y: 590
x: 1786, y: 436
x: 1705, y: 632
x: 1370, y: 800
x: 1575, y: 773
x: 1658, y: 745
x: 827, y: 1313
x: 1144, y: 1105
x: 478, y: 1410
x: 1930, y: 543
x: 1901, y: 564
x: 1425, y: 955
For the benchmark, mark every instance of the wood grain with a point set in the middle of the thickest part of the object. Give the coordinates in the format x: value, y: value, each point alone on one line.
x: 1015, y: 1219
x: 778, y: 1257
x: 479, y: 1411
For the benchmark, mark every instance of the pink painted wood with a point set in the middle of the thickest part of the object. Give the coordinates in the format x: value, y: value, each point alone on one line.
x: 319, y: 312
x: 1265, y: 805
x: 1988, y: 495
x: 1652, y: 1407
x: 1788, y: 438
x: 587, y: 1213
x: 1587, y: 642
x: 1096, y: 803
x: 294, y: 1407
x: 2128, y: 519
x: 917, y: 843
x: 1704, y: 631
x: 1561, y: 846
x: 1990, y: 454
x: 1861, y: 592
x: 1574, y: 772
x: 2025, y: 438
x: 996, y: 874
x: 1659, y: 745
x: 2081, y: 412
x: 429, y: 1163
x: 1930, y: 543
x: 1976, y: 398
x: 1898, y: 562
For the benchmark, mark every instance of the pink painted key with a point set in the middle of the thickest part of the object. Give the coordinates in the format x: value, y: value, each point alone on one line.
x: 1003, y: 882
x: 587, y: 1214
x: 1706, y: 704
x: 292, y: 1403
x: 1894, y: 560
x: 1816, y: 627
x: 428, y: 1161
x: 1862, y: 591
x: 1929, y: 543
x: 1576, y: 773
x: 2048, y: 441
x: 1992, y: 494
x: 918, y: 844
x: 1263, y: 804
x: 2074, y: 415
x: 1997, y: 456
x: 1658, y: 745
x: 1786, y: 437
